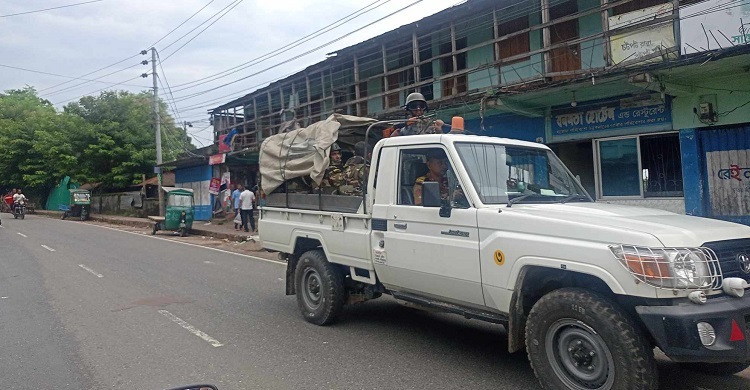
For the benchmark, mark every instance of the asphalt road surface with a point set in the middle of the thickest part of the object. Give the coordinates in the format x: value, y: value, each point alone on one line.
x: 89, y: 307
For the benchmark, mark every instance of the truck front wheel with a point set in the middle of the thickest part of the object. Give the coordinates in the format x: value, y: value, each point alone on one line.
x: 577, y: 339
x: 320, y: 288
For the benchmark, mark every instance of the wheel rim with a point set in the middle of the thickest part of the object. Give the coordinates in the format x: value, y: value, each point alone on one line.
x: 312, y: 288
x: 579, y: 356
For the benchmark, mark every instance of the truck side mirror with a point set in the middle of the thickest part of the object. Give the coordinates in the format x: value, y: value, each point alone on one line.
x: 431, y: 194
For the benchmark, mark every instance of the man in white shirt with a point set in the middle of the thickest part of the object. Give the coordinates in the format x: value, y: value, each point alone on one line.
x: 247, y: 202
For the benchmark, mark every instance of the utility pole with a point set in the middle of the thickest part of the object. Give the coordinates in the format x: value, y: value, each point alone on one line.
x: 157, y: 117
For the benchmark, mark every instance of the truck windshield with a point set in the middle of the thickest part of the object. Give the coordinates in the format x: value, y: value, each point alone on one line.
x: 502, y: 173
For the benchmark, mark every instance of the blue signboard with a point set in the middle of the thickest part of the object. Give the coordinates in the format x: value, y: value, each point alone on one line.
x: 613, y: 118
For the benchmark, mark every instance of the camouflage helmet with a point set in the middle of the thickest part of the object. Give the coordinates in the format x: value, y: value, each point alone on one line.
x: 335, y: 147
x: 413, y: 100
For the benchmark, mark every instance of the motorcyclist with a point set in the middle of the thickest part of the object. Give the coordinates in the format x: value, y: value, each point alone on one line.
x: 416, y: 107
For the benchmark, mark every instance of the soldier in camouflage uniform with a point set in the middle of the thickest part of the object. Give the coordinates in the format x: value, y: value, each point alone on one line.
x: 334, y: 175
x: 356, y: 170
x: 416, y: 107
x: 437, y: 165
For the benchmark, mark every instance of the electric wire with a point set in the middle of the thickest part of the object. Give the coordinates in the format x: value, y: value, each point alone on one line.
x: 284, y: 48
x: 181, y: 24
x: 90, y: 73
x: 63, y: 76
x: 50, y: 9
x: 234, y: 4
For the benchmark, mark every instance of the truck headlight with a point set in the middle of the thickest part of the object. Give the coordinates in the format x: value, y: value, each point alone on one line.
x: 671, y: 268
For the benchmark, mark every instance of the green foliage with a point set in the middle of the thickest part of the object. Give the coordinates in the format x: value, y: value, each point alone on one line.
x: 107, y: 139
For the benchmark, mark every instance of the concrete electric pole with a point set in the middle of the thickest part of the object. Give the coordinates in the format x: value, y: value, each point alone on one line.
x: 157, y: 117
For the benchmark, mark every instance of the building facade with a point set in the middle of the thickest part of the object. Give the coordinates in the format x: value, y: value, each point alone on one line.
x: 645, y: 100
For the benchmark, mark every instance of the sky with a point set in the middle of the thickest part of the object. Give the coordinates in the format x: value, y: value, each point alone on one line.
x: 76, y: 40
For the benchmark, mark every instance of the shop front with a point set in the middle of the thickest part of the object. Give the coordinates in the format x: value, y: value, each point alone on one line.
x: 623, y: 149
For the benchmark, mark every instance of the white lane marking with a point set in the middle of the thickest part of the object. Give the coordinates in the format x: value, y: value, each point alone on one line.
x: 191, y: 328
x: 48, y: 248
x: 3, y: 297
x: 189, y: 244
x: 208, y: 262
x: 2, y: 227
x: 98, y: 275
x: 22, y: 235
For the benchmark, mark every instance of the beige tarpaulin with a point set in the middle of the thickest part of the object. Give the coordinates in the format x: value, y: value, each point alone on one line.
x: 303, y: 152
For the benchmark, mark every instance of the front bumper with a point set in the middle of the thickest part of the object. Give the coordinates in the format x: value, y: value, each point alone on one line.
x: 675, y: 331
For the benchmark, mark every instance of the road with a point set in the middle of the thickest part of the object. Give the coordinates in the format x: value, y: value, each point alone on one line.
x: 89, y: 307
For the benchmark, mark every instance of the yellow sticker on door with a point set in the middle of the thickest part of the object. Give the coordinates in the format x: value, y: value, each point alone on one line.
x: 499, y: 257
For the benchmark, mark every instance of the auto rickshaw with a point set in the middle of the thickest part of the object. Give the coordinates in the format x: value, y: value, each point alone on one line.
x: 179, y: 212
x: 79, y: 204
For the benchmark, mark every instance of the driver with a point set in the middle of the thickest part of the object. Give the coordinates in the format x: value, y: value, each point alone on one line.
x: 437, y: 166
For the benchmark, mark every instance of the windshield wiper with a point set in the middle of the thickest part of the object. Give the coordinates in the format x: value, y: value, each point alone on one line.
x: 571, y: 197
x: 517, y: 199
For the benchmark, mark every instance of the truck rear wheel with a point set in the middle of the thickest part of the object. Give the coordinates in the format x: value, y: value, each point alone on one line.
x: 716, y: 369
x: 577, y: 339
x: 320, y: 288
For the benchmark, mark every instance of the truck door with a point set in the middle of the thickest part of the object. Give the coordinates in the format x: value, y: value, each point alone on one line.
x: 426, y: 253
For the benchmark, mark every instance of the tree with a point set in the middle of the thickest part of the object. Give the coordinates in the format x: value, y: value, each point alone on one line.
x: 108, y: 139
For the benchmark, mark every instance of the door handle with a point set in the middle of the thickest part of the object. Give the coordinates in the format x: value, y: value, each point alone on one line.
x: 401, y: 226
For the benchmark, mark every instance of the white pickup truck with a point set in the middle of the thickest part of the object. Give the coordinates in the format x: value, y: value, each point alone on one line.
x: 506, y: 234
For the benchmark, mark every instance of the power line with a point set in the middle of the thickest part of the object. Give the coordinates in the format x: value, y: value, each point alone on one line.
x: 287, y: 47
x: 59, y: 75
x: 201, y: 32
x: 99, y: 90
x: 49, y: 9
x: 316, y: 48
x: 90, y: 73
x: 98, y: 78
x: 181, y: 24
x: 233, y: 2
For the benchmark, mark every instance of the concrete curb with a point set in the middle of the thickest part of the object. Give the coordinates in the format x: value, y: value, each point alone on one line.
x: 147, y: 224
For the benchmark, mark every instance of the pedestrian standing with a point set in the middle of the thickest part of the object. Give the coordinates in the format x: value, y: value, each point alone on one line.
x: 247, y: 203
x: 236, y: 203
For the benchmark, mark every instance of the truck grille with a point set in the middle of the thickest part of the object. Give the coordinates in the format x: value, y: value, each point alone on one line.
x: 728, y: 251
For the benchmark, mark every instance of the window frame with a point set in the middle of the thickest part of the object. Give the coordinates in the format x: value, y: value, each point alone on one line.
x: 451, y: 166
x: 598, y: 170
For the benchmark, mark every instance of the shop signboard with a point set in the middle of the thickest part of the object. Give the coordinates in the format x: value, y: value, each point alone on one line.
x: 217, y: 159
x: 714, y: 24
x: 639, y: 46
x: 619, y: 117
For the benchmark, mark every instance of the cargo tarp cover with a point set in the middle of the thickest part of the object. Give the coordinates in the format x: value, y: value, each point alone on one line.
x: 304, y: 152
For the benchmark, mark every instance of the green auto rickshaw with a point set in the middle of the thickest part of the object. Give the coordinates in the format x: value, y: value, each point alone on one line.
x: 179, y: 212
x: 79, y: 204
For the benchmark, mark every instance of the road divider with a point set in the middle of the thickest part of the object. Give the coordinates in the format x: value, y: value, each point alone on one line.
x: 98, y: 275
x: 190, y: 328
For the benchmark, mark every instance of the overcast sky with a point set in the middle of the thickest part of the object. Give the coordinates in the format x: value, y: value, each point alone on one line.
x: 76, y: 40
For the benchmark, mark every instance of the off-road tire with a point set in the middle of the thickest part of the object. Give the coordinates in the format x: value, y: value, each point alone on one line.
x: 320, y: 288
x: 716, y: 369
x: 578, y: 339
